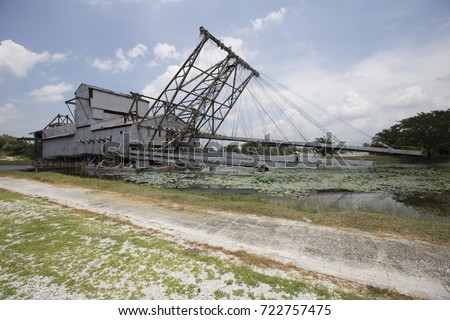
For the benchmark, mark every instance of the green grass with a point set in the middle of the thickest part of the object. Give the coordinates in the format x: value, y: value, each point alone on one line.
x: 377, y: 223
x: 93, y: 257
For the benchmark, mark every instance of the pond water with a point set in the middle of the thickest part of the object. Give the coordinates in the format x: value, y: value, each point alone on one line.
x: 382, y: 202
x: 419, y: 193
x: 16, y: 167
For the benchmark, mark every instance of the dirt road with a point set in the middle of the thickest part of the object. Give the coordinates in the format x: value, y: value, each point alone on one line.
x: 414, y: 268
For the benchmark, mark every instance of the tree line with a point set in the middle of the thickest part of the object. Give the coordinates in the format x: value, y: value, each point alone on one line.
x: 428, y: 131
x: 12, y: 146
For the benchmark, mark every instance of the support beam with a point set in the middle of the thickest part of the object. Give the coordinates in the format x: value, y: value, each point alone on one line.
x: 326, y: 146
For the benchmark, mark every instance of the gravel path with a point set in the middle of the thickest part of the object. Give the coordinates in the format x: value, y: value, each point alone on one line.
x: 410, y: 267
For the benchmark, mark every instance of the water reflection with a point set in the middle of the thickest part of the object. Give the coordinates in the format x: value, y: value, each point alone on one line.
x: 15, y: 167
x: 425, y: 207
x: 435, y: 204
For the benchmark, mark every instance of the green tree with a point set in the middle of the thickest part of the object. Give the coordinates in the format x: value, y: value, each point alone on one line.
x: 427, y: 130
x: 286, y: 149
x: 11, y: 146
x: 250, y: 147
x: 320, y: 140
x: 256, y: 148
x: 233, y: 147
x: 391, y: 137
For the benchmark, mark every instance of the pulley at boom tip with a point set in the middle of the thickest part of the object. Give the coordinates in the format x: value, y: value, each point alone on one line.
x: 205, y: 33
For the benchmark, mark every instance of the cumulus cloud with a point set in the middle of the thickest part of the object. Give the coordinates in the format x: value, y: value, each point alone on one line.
x: 8, y: 112
x: 154, y: 88
x: 353, y: 105
x: 15, y: 59
x: 239, y: 47
x: 103, y: 64
x: 262, y: 23
x: 51, y: 93
x: 376, y: 92
x: 122, y: 61
x: 59, y: 57
x: 407, y: 97
x: 139, y: 50
x: 165, y: 51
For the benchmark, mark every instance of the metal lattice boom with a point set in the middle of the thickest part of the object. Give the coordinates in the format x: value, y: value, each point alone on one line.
x: 202, y: 96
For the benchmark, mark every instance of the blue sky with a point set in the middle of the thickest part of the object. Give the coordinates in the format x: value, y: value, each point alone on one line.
x: 371, y: 63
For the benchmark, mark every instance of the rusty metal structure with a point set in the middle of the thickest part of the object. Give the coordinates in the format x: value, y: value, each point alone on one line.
x: 117, y: 129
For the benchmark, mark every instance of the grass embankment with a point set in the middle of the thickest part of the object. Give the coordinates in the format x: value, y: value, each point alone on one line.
x: 53, y: 252
x: 376, y: 223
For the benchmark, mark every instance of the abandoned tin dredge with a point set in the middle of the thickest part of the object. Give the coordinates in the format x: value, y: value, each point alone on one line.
x: 110, y: 129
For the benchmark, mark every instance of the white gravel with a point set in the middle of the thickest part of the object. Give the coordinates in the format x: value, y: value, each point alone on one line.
x: 414, y: 268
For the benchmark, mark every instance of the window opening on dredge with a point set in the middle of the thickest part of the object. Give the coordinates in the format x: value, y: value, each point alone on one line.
x: 115, y: 112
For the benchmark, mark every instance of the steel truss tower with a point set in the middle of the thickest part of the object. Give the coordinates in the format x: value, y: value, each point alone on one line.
x: 201, y: 95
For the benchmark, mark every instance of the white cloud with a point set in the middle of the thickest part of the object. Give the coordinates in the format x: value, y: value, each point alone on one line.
x: 239, y: 47
x: 154, y: 88
x: 262, y: 23
x: 139, y: 50
x: 51, y: 93
x: 103, y: 65
x: 407, y: 97
x: 165, y: 51
x: 8, y: 112
x: 15, y: 59
x: 122, y: 61
x: 352, y: 106
x: 59, y: 57
x: 376, y: 92
x: 152, y: 64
